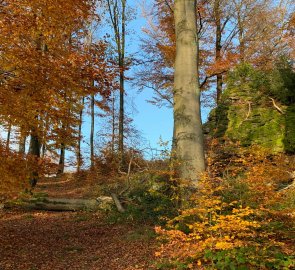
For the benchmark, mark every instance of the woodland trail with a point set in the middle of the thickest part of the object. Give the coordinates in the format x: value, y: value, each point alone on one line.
x: 41, y: 240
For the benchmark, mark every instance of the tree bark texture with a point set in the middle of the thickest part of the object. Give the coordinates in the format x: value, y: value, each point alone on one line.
x: 79, y: 154
x: 92, y: 133
x: 218, y: 47
x: 61, y: 163
x: 187, y: 114
x: 8, y: 136
x: 35, y: 152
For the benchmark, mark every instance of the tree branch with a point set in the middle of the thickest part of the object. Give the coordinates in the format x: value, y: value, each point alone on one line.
x: 276, y: 106
x: 168, y: 5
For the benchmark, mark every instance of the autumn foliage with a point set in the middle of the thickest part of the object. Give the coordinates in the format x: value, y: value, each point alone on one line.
x: 241, y: 220
x: 48, y: 66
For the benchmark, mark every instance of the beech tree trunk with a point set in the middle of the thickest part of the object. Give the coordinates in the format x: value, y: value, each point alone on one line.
x: 34, y: 150
x: 117, y: 12
x: 43, y: 149
x: 113, y: 125
x: 218, y: 47
x: 61, y: 163
x: 22, y: 143
x: 79, y: 155
x: 8, y: 136
x: 92, y: 133
x: 187, y: 113
x: 121, y: 115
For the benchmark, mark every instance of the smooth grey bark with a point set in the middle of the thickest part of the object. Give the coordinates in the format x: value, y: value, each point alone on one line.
x: 187, y: 114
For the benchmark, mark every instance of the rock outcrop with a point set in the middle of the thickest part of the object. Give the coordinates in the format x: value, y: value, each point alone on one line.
x: 251, y: 114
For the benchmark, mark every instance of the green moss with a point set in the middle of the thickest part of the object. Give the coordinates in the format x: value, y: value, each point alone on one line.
x: 247, y: 114
x: 261, y: 126
x: 289, y: 139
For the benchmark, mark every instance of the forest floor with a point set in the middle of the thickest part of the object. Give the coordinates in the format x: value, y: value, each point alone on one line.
x: 33, y: 240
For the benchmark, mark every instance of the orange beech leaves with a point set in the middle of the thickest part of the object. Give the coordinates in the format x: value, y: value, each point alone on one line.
x: 242, y: 220
x: 45, y: 67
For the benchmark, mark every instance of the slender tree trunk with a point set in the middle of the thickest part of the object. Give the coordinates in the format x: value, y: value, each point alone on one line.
x: 34, y: 151
x: 34, y: 145
x: 44, y: 137
x: 43, y: 149
x: 8, y: 136
x: 113, y: 125
x: 79, y: 154
x: 218, y: 47
x: 241, y: 39
x: 187, y: 114
x: 22, y: 143
x: 122, y: 86
x: 92, y: 133
x: 61, y: 163
x: 121, y: 115
x: 118, y: 19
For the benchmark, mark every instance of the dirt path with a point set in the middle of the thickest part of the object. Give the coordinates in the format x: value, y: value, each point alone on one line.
x: 47, y: 240
x: 40, y: 240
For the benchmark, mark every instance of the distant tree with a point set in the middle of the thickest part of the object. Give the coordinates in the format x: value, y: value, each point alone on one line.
x: 117, y: 14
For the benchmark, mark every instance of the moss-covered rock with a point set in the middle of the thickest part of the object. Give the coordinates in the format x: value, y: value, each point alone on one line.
x: 248, y: 113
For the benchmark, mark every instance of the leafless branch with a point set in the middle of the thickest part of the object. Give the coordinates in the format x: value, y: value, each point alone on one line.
x: 168, y: 5
x: 276, y: 106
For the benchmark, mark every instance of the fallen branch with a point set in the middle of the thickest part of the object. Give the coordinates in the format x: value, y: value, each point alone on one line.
x: 276, y: 106
x: 117, y: 203
x: 249, y: 111
x: 288, y: 187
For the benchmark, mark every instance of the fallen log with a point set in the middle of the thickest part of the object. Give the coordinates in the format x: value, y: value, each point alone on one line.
x: 62, y: 204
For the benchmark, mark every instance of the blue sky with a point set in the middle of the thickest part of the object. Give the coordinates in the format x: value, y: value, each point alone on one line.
x: 153, y: 122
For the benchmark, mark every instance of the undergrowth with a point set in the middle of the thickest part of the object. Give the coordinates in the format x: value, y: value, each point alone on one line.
x: 243, y: 219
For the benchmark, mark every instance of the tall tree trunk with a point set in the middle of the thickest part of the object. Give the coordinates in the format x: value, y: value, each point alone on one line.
x: 218, y: 47
x: 34, y: 151
x: 22, y: 143
x: 92, y: 133
x: 79, y: 154
x: 118, y: 19
x: 44, y: 136
x: 122, y: 87
x: 61, y: 163
x: 187, y: 114
x: 113, y: 124
x: 8, y: 136
x: 121, y: 115
x: 241, y: 38
x: 43, y: 149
